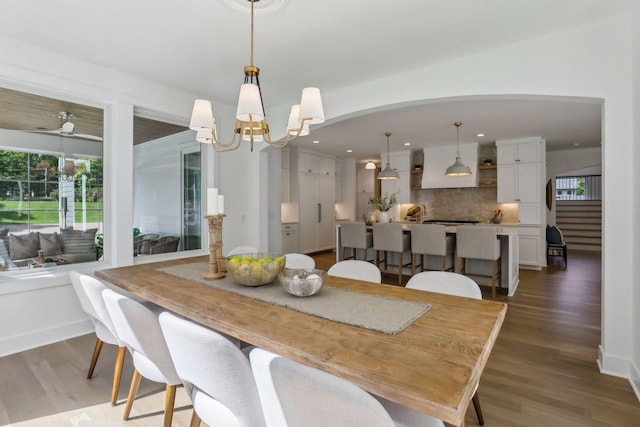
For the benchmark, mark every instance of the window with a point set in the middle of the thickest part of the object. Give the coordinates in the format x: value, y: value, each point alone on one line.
x: 50, y: 208
x: 586, y: 187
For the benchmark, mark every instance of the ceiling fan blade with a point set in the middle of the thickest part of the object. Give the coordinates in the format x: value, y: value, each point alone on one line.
x: 57, y: 131
x: 85, y: 136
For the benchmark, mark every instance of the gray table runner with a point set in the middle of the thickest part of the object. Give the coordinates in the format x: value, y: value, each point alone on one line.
x: 382, y: 314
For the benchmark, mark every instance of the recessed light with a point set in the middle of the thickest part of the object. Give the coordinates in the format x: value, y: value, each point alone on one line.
x: 407, y: 143
x: 316, y: 142
x: 480, y: 135
x: 575, y: 144
x: 349, y: 151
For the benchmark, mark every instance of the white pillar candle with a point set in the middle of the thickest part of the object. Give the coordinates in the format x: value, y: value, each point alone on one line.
x: 212, y: 201
x: 220, y: 204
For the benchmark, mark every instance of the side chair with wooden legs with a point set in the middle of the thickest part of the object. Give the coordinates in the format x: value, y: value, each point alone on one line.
x: 139, y: 328
x: 89, y: 292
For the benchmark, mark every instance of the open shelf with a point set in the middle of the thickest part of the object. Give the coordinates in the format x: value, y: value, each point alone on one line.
x: 487, y: 167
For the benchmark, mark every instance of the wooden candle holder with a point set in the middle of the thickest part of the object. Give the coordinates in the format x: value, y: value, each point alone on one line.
x: 217, y: 266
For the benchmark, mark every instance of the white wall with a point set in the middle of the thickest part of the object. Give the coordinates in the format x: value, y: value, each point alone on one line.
x: 635, y: 192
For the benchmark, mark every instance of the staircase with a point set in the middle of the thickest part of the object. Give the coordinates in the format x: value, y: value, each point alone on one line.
x: 581, y: 223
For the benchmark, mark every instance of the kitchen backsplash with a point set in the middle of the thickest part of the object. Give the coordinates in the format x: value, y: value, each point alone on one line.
x: 475, y: 204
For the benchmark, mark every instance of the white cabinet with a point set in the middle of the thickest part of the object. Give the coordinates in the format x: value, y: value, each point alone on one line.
x: 524, y: 151
x: 289, y: 240
x: 326, y: 166
x: 529, y: 245
x: 338, y: 189
x: 529, y: 241
x: 365, y: 181
x: 316, y: 212
x: 519, y: 183
x: 316, y: 164
x: 520, y: 177
x: 313, y: 194
x: 307, y: 162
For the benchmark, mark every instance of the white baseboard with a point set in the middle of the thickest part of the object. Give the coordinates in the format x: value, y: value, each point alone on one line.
x: 34, y: 339
x: 613, y: 365
x: 634, y: 379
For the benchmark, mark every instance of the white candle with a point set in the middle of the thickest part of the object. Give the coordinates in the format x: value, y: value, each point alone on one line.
x: 220, y: 204
x: 212, y: 201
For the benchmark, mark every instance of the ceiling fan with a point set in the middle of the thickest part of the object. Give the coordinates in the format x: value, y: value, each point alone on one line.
x: 67, y: 128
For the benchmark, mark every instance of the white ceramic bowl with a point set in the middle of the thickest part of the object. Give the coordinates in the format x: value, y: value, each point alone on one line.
x: 302, y: 282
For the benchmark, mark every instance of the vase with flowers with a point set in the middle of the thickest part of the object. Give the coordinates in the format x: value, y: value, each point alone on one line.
x: 382, y: 205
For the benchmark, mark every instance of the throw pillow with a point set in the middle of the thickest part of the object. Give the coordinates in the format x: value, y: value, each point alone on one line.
x: 23, y: 246
x: 50, y: 244
x: 78, y: 241
x: 553, y: 235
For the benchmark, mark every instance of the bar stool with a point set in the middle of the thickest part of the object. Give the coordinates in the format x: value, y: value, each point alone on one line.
x: 431, y: 239
x: 389, y: 237
x: 354, y: 235
x: 479, y: 242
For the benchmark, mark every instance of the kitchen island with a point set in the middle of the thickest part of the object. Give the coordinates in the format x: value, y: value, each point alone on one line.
x: 510, y: 277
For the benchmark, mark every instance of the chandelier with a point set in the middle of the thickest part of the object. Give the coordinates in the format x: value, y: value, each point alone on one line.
x: 251, y: 123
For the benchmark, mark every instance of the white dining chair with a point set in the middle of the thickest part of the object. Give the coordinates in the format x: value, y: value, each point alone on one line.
x: 239, y: 250
x: 89, y: 292
x: 215, y: 372
x: 294, y: 260
x: 297, y: 395
x: 138, y: 327
x: 444, y: 282
x: 355, y: 269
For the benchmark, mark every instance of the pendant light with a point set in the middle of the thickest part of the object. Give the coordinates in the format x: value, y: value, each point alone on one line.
x: 370, y: 165
x: 458, y: 168
x: 388, y: 173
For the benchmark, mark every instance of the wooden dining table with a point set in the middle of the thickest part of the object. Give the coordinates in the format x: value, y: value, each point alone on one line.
x: 432, y: 366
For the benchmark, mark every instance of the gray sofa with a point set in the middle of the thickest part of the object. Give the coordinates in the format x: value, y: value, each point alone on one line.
x: 67, y: 246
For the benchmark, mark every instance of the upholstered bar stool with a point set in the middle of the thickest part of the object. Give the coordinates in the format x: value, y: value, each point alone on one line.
x: 389, y: 237
x: 479, y: 242
x: 431, y: 239
x: 354, y: 235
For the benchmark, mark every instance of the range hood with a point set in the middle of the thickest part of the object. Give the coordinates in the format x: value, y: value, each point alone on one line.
x: 438, y: 159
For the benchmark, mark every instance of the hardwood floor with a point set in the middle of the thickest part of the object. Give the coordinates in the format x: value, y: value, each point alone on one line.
x: 542, y: 371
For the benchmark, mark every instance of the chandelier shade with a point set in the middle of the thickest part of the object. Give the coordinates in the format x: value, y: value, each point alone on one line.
x: 251, y: 122
x: 202, y: 115
x: 294, y: 122
x: 249, y: 104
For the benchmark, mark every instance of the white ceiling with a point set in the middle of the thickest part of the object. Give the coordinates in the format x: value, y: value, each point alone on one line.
x: 201, y: 46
